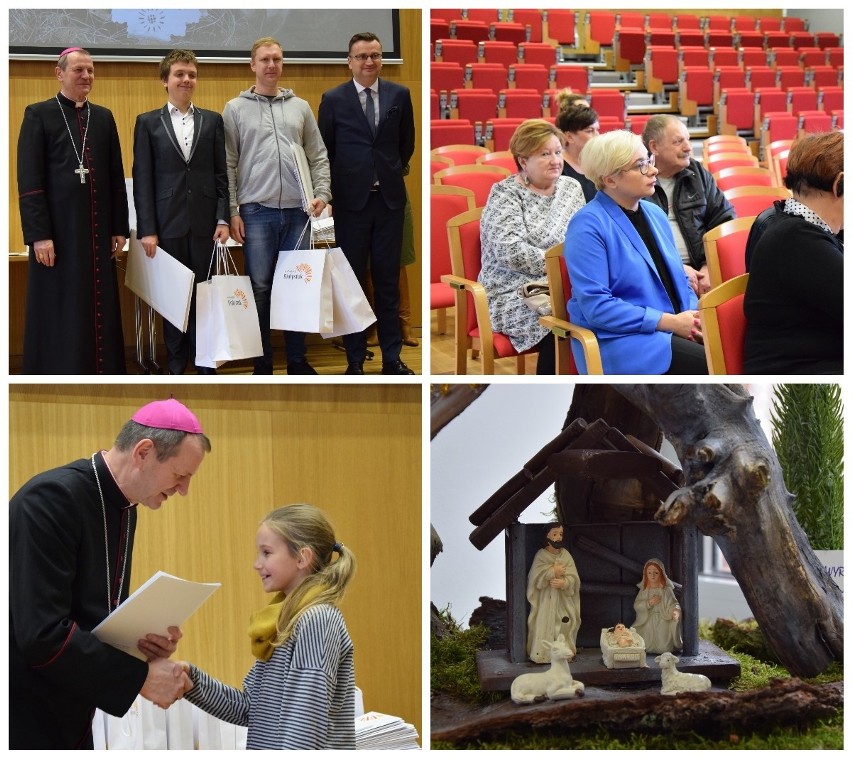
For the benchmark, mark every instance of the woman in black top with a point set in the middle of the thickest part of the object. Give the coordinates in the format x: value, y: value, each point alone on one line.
x: 794, y: 300
x: 579, y: 123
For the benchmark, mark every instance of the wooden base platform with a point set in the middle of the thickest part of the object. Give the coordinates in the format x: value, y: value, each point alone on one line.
x: 496, y: 671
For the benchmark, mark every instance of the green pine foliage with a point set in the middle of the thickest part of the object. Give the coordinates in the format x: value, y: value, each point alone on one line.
x: 808, y: 440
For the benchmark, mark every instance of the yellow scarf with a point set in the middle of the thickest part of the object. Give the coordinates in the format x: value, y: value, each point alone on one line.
x: 263, y: 624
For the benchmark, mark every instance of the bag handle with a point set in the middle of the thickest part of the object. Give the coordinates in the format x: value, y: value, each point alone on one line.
x: 221, y: 256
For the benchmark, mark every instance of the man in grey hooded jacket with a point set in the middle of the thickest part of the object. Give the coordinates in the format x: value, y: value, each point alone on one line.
x: 266, y: 203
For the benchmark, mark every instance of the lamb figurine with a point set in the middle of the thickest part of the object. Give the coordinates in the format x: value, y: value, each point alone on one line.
x: 554, y: 684
x: 675, y: 682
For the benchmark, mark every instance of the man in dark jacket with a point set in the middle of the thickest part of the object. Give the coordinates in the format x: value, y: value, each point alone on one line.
x: 687, y: 193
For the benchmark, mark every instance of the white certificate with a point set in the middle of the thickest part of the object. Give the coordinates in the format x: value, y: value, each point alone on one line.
x: 163, y: 601
x: 162, y: 281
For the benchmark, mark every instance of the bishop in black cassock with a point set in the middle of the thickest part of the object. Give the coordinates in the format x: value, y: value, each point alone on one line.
x: 72, y: 190
x: 66, y: 580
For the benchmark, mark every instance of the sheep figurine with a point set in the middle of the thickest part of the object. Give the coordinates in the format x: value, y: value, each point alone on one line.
x: 554, y: 684
x: 675, y: 682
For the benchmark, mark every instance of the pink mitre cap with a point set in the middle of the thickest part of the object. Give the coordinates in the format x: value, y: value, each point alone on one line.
x: 168, y: 414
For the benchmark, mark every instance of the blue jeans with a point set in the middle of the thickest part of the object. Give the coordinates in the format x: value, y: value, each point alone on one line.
x: 267, y: 231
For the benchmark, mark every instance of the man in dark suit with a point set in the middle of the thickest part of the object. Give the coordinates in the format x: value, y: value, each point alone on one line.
x: 367, y: 125
x: 180, y: 187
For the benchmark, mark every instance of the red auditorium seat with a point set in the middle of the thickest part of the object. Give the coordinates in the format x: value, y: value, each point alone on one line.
x: 830, y: 98
x: 736, y: 111
x: 801, y: 99
x: 758, y: 77
x: 661, y: 68
x: 529, y: 76
x: 636, y: 123
x: 802, y: 39
x: 530, y: 17
x: 450, y: 132
x: 725, y: 57
x: 743, y: 176
x: 574, y: 77
x: 629, y: 48
x: 446, y: 76
x: 507, y: 31
x: 719, y: 38
x: 692, y: 56
x: 600, y: 28
x: 789, y: 76
x: 687, y: 21
x: 778, y: 126
x: 629, y: 20
x: 485, y: 15
x: 815, y: 121
x: 473, y: 104
x: 689, y: 38
x: 744, y: 23
x: 439, y: 28
x: 768, y: 100
x: 493, y: 51
x: 542, y: 53
x: 460, y: 154
x: 752, y: 56
x: 475, y: 31
x: 827, y: 40
x: 783, y: 56
x: 461, y: 51
x: 811, y: 56
x: 821, y: 76
x: 793, y: 24
x: 519, y: 103
x: 491, y: 76
x: 498, y: 132
x: 718, y: 22
x: 609, y: 103
x: 770, y: 23
x: 726, y: 77
x: 776, y: 39
x: 560, y: 26
x: 834, y: 56
x: 659, y: 21
x: 695, y: 90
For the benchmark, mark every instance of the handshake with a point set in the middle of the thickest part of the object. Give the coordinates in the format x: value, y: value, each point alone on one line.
x: 167, y: 680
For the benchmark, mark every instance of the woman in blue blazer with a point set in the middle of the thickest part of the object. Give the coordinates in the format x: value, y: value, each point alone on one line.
x: 627, y: 281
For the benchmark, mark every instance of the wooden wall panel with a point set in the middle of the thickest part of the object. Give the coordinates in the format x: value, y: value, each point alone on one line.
x: 129, y: 89
x: 354, y: 451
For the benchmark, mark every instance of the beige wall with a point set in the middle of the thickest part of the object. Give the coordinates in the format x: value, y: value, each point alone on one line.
x: 129, y: 89
x: 354, y: 451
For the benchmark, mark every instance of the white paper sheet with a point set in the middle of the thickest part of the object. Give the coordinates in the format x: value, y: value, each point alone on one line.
x: 162, y: 281
x: 163, y: 601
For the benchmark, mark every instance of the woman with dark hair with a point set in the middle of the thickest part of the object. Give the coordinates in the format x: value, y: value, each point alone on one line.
x: 579, y: 124
x: 525, y: 215
x: 794, y: 300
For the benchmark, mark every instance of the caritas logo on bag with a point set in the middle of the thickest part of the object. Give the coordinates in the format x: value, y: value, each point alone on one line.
x: 238, y: 299
x: 303, y: 271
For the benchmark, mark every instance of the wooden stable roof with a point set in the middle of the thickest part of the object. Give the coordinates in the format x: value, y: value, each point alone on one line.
x: 595, y: 451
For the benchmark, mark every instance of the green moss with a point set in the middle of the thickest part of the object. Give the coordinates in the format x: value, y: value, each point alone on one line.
x: 453, y: 671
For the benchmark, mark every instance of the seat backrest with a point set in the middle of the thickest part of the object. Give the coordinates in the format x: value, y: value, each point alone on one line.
x: 502, y: 158
x: 749, y: 201
x: 717, y: 161
x: 466, y: 253
x: 460, y: 155
x: 445, y: 203
x: 448, y: 132
x: 724, y: 249
x: 743, y: 176
x: 478, y: 179
x: 723, y: 325
x: 562, y: 27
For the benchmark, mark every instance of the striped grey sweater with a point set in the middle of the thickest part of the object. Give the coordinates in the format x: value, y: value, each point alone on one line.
x: 303, y: 697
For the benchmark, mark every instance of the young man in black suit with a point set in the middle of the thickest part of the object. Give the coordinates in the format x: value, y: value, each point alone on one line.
x: 180, y: 187
x: 367, y: 125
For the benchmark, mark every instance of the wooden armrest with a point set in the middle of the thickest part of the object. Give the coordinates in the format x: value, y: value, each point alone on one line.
x: 586, y: 337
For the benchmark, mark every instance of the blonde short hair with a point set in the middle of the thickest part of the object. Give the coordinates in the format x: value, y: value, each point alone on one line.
x: 530, y: 136
x: 605, y: 155
x: 265, y: 41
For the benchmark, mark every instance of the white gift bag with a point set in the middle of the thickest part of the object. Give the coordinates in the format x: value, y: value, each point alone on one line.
x: 351, y: 311
x: 301, y: 298
x: 227, y: 326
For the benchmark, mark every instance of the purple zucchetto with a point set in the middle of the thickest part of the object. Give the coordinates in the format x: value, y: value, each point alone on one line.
x: 168, y: 414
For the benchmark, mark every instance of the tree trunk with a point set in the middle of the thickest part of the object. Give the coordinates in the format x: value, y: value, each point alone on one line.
x: 735, y: 493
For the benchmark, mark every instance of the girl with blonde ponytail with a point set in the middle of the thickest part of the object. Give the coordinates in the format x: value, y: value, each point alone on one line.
x: 300, y: 693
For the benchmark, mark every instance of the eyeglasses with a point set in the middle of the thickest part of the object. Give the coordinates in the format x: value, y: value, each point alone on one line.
x: 363, y: 57
x: 643, y: 166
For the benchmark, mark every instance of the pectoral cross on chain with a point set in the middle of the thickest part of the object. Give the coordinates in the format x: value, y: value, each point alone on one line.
x: 82, y: 172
